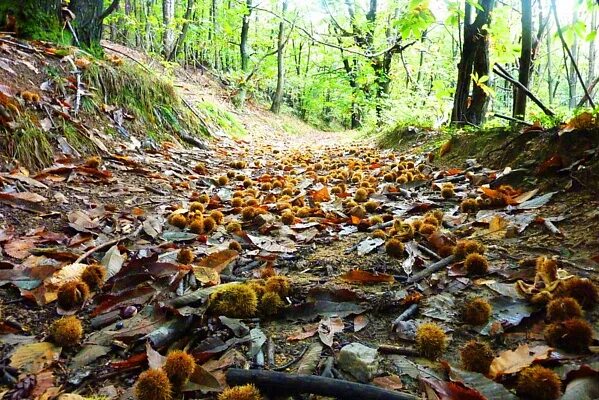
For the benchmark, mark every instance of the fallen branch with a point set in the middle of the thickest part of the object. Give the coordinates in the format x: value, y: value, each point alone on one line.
x: 281, y: 383
x: 431, y: 269
x: 402, y: 351
x: 499, y: 70
x: 512, y: 119
x: 404, y: 315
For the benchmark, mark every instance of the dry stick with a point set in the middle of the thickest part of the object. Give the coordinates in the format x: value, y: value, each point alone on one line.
x: 282, y: 383
x: 591, y: 90
x: 290, y: 363
x: 572, y: 59
x: 512, y: 119
x: 499, y: 70
x: 428, y: 251
x: 439, y: 265
x: 404, y: 315
x: 402, y: 351
x: 106, y: 244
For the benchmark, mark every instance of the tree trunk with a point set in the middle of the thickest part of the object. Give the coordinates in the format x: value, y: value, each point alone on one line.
x: 278, y: 98
x: 549, y: 75
x: 89, y: 19
x: 592, y: 50
x: 168, y: 16
x: 183, y: 34
x: 31, y: 19
x: 243, y: 43
x: 474, y: 60
x: 572, y: 79
x: 525, y: 59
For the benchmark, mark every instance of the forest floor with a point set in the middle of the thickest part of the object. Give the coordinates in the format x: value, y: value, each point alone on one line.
x: 322, y: 240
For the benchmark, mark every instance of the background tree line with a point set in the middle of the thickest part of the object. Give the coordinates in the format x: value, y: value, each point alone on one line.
x: 359, y: 63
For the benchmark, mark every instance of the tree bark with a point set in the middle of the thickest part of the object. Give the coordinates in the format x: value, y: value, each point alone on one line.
x: 183, y: 34
x: 572, y: 80
x: 474, y: 60
x: 278, y: 98
x: 525, y: 60
x: 89, y: 19
x: 243, y: 43
x: 31, y: 19
x: 168, y: 15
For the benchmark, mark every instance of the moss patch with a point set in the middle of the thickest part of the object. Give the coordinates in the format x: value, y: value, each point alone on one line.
x: 222, y: 119
x: 152, y: 100
x: 33, y: 22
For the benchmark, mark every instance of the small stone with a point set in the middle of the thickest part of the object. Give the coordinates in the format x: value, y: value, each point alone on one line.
x: 358, y: 360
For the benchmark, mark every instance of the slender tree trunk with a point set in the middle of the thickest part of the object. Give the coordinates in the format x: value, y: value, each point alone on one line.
x: 473, y: 61
x: 549, y: 74
x: 572, y: 79
x: 184, y: 29
x: 278, y: 98
x: 168, y: 16
x: 243, y: 43
x: 525, y: 60
x: 592, y: 50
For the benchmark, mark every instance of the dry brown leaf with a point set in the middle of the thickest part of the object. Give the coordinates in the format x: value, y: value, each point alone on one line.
x: 391, y: 382
x: 322, y: 195
x: 512, y: 361
x: 361, y: 276
x: 19, y: 248
x: 218, y: 261
x: 305, y: 332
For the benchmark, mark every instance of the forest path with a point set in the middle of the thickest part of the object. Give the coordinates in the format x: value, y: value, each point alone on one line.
x: 201, y: 86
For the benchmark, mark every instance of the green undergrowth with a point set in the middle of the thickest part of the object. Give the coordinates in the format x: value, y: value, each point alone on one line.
x: 157, y: 109
x: 223, y: 119
x: 33, y: 147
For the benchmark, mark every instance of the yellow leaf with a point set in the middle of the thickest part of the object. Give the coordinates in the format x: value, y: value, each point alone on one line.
x: 34, y: 357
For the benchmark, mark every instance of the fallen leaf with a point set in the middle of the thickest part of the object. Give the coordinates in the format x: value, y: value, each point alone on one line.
x: 512, y: 361
x: 219, y: 261
x: 361, y: 276
x: 360, y: 322
x: 368, y: 245
x: 390, y: 382
x: 34, y: 357
x: 327, y: 328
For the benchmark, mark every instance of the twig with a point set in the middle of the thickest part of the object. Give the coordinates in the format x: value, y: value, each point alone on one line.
x: 512, y: 119
x: 404, y: 315
x: 290, y: 363
x: 106, y: 244
x: 439, y: 265
x: 282, y: 383
x: 402, y: 351
x: 429, y: 251
x: 499, y: 70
